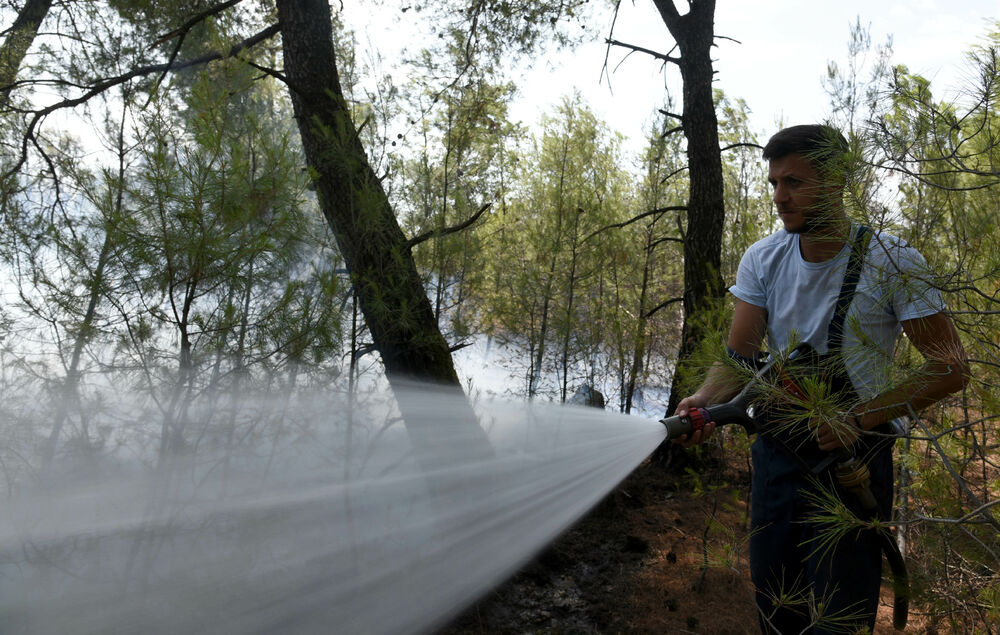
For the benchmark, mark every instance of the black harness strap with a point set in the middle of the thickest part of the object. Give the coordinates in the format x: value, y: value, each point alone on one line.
x: 859, y: 247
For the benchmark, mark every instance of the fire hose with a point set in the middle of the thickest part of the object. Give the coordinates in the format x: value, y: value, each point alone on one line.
x: 850, y: 471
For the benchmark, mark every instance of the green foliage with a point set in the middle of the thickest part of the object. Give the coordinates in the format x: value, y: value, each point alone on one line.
x: 748, y: 198
x: 940, y: 156
x: 461, y: 167
x: 564, y: 276
x: 852, y: 95
x: 190, y: 264
x: 493, y: 28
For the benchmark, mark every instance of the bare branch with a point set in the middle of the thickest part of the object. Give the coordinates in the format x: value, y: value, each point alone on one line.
x: 925, y: 177
x: 981, y: 510
x: 672, y: 131
x: 673, y: 174
x: 437, y: 233
x: 652, y: 212
x: 665, y: 239
x: 662, y: 305
x: 607, y: 49
x: 270, y: 72
x: 742, y: 145
x: 726, y: 37
x: 458, y: 347
x: 640, y: 49
x: 963, y: 519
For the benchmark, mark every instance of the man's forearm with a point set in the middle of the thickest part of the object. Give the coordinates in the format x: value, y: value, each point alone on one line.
x: 931, y: 383
x: 721, y: 384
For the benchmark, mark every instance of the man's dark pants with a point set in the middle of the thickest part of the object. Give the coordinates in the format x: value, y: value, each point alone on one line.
x: 796, y: 576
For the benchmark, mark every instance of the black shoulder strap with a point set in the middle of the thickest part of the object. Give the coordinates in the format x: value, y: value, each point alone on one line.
x: 859, y: 247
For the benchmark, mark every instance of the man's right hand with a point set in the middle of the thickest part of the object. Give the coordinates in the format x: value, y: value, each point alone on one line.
x: 697, y: 436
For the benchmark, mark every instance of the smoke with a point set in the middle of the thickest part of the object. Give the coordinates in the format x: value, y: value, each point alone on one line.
x: 317, y: 517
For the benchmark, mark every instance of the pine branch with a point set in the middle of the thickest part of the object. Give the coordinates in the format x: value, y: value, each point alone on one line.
x: 181, y: 33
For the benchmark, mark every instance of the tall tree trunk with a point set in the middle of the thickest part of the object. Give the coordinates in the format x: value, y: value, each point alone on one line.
x: 19, y: 39
x: 70, y: 396
x: 694, y: 33
x: 571, y: 280
x: 355, y: 205
x: 536, y: 376
x: 175, y: 416
x: 389, y: 290
x: 639, y: 352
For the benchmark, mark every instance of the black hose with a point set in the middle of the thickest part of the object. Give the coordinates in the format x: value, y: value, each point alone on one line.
x: 900, y: 579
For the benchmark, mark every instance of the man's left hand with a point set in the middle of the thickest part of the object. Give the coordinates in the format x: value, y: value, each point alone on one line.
x: 841, y: 433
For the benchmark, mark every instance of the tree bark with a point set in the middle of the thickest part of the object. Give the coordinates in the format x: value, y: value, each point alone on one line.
x: 355, y: 205
x: 389, y: 290
x: 694, y: 34
x: 19, y: 39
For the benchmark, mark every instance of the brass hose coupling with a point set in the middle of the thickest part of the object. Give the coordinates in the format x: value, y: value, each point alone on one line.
x: 853, y: 475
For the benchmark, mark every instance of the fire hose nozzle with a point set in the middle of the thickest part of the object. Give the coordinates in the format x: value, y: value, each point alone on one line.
x: 676, y: 426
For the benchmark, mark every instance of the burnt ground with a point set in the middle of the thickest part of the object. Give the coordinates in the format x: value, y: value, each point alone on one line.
x: 661, y: 554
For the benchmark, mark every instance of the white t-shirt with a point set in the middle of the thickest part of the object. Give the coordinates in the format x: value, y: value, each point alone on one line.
x: 895, y: 285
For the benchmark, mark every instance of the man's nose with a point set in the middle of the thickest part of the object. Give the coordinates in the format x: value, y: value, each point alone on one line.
x: 780, y: 193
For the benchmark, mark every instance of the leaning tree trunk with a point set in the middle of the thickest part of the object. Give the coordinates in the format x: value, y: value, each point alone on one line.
x: 694, y: 33
x: 19, y: 39
x: 389, y: 290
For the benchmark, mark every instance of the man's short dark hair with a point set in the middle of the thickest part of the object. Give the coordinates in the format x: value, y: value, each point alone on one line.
x: 823, y: 145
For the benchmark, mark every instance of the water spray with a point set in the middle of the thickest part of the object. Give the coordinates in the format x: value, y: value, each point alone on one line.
x: 322, y: 526
x: 316, y: 529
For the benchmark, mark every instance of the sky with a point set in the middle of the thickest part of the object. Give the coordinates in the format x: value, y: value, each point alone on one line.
x: 778, y: 65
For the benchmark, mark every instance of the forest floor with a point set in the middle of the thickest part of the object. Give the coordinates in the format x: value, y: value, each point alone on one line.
x: 661, y: 554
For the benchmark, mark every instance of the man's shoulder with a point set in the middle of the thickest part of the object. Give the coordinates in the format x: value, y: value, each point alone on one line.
x: 885, y: 245
x: 887, y: 239
x: 778, y: 241
x: 769, y: 255
x: 890, y: 256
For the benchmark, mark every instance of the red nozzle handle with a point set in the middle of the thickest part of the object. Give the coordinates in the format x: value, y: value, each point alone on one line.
x: 699, y: 417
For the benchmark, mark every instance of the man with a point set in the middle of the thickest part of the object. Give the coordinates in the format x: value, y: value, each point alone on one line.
x: 787, y: 291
